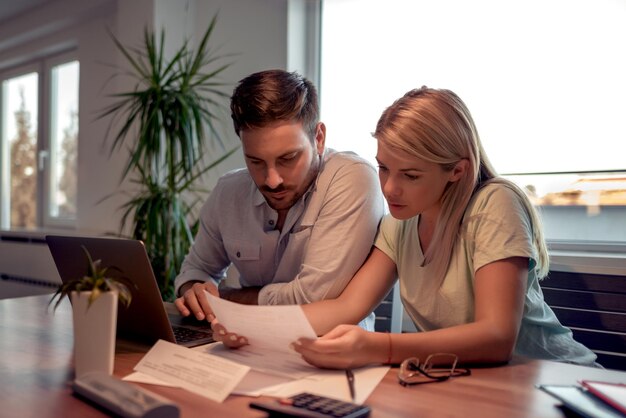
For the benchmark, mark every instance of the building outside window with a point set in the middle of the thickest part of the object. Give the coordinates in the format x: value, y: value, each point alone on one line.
x: 39, y: 144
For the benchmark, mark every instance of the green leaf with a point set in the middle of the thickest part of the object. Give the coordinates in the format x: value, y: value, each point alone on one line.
x: 167, y: 121
x: 95, y: 281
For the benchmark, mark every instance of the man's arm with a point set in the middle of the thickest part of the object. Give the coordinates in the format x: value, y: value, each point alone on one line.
x: 341, y: 237
x: 205, y: 263
x: 245, y: 295
x: 207, y: 258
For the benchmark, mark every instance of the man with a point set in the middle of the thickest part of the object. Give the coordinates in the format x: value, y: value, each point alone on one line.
x: 298, y: 222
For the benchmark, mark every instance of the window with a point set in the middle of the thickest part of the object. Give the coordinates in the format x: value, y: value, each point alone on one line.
x: 39, y: 141
x: 63, y: 141
x: 19, y: 138
x: 544, y: 81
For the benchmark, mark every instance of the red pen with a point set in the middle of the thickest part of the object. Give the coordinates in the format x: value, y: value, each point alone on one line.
x: 613, y: 394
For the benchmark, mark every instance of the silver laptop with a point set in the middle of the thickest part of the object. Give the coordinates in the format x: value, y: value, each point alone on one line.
x: 146, y: 319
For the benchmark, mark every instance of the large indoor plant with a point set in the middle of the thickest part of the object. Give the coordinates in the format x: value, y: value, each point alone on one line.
x: 167, y: 121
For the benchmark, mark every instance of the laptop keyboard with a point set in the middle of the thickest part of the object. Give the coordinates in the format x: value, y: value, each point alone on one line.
x: 184, y: 335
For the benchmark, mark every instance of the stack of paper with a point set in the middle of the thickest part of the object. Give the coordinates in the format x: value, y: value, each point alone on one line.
x: 267, y: 366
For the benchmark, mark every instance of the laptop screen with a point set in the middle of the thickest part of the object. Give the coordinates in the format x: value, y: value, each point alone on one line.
x: 145, y: 319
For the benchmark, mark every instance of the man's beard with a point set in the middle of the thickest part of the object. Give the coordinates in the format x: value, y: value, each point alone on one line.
x: 310, y: 177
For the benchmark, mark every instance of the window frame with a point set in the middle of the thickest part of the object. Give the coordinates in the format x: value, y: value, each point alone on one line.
x: 43, y: 67
x: 5, y: 173
x: 48, y: 64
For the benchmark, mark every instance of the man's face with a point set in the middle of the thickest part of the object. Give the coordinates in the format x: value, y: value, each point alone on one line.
x: 282, y: 160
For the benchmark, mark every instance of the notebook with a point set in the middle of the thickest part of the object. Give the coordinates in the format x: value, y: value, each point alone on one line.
x: 146, y: 320
x: 581, y: 402
x: 613, y: 394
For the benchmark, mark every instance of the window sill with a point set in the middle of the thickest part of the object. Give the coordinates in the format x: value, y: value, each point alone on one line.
x: 38, y: 235
x: 592, y: 260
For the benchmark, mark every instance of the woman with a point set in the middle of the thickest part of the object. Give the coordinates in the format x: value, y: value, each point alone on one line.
x: 466, y: 245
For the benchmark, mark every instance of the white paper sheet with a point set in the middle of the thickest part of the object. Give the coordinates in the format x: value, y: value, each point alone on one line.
x: 266, y: 327
x: 277, y: 369
x: 139, y: 377
x: 332, y: 383
x: 270, y: 331
x: 201, y: 373
x: 285, y: 364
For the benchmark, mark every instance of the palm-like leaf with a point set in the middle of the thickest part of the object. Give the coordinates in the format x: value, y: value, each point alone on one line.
x: 173, y: 109
x: 95, y: 281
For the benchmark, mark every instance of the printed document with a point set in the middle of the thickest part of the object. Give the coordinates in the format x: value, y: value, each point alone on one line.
x: 269, y: 330
x: 271, y: 327
x: 267, y: 366
x: 198, y: 372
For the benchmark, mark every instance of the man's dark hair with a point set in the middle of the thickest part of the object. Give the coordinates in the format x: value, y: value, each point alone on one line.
x: 266, y: 97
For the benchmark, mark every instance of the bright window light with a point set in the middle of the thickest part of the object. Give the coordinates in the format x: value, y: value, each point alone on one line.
x: 544, y: 80
x: 19, y: 151
x: 64, y: 140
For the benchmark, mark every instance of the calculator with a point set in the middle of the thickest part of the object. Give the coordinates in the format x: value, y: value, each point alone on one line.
x: 308, y: 405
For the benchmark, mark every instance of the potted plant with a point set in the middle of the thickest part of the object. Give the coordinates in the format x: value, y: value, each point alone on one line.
x: 169, y: 117
x: 94, y: 300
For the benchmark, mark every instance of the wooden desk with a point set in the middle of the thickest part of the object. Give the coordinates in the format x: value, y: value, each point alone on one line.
x: 36, y: 372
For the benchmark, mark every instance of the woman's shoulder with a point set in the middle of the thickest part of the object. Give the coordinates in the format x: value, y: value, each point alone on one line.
x: 498, y: 225
x: 498, y: 203
x: 496, y: 195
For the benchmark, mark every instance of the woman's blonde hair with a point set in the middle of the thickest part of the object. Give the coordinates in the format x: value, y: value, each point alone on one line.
x: 436, y: 126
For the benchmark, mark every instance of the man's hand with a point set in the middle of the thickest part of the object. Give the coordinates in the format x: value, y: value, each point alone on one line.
x: 229, y: 339
x: 246, y: 296
x: 194, y: 301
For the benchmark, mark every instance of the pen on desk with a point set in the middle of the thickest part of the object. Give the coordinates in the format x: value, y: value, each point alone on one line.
x: 350, y: 377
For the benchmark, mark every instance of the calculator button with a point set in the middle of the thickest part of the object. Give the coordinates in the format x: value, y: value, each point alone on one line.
x: 313, y: 406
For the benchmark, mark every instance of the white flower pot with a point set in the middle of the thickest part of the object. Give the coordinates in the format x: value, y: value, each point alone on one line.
x: 94, y: 332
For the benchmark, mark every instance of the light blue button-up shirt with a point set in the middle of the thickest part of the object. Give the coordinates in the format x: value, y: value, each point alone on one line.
x: 326, y: 237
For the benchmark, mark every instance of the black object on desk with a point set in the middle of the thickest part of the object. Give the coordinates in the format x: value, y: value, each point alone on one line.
x: 307, y: 405
x: 123, y: 398
x: 350, y: 377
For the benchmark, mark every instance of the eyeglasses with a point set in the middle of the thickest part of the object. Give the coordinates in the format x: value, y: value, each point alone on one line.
x: 437, y: 368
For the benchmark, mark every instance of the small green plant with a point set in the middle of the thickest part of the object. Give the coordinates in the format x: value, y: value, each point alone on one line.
x: 96, y: 281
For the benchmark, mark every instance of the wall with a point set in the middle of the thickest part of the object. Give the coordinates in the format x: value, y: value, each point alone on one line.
x: 253, y: 32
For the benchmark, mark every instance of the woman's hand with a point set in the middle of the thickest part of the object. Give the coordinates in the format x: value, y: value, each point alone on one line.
x: 229, y: 339
x: 344, y: 347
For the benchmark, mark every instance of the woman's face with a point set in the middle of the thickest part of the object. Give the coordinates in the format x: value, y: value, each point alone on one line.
x: 411, y: 185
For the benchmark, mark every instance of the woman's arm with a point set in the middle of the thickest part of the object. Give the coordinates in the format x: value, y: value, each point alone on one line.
x: 499, y: 292
x: 499, y: 303
x: 365, y: 291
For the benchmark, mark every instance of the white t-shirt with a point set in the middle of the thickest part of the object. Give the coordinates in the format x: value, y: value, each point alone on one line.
x: 495, y: 226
